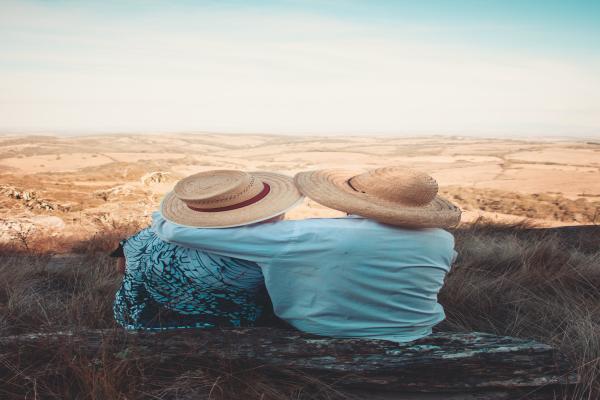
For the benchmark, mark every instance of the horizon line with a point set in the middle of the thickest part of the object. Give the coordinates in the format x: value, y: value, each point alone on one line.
x: 408, y: 135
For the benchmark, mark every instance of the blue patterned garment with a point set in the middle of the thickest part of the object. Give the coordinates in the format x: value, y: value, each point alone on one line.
x: 167, y: 286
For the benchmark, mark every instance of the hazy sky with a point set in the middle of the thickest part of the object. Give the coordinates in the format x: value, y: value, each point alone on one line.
x: 407, y: 67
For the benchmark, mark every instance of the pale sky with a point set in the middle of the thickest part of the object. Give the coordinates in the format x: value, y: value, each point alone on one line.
x: 515, y: 68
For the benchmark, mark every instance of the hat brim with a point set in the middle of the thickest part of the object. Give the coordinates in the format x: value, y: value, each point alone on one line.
x: 330, y: 188
x: 282, y: 197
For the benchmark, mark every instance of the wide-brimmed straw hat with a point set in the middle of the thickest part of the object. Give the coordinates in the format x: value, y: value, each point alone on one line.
x: 392, y: 195
x: 228, y: 198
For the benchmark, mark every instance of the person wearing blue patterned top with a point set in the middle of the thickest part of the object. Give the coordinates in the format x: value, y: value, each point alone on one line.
x: 168, y: 286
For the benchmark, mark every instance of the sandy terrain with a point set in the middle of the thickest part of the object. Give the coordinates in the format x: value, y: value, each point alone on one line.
x: 54, y: 162
x: 87, y: 182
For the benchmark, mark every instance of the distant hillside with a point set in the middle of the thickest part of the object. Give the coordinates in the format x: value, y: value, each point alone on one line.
x: 88, y: 182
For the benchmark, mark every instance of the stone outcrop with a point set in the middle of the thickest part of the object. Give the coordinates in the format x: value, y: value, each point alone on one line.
x: 32, y: 200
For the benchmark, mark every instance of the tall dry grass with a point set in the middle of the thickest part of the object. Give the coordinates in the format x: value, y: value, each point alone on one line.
x: 508, y: 280
x: 511, y: 280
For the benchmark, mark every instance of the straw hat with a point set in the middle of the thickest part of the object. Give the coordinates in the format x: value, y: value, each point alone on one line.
x: 392, y: 195
x: 228, y: 198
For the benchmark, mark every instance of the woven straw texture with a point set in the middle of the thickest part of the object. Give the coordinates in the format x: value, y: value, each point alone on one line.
x: 283, y: 196
x: 392, y: 195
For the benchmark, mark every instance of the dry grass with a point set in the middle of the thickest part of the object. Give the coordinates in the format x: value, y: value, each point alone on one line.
x: 521, y: 282
x: 546, y: 206
x: 508, y: 280
x: 37, y: 243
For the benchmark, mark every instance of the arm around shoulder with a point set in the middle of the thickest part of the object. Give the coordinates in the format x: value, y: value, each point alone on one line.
x: 258, y: 243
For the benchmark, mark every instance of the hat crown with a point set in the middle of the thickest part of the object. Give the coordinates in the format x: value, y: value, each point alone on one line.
x: 396, y: 184
x: 217, y: 188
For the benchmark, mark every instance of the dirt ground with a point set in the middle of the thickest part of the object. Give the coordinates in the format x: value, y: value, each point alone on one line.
x: 81, y: 185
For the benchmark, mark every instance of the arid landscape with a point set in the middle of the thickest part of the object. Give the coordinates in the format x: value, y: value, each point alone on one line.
x: 81, y: 185
x: 106, y: 105
x: 80, y: 195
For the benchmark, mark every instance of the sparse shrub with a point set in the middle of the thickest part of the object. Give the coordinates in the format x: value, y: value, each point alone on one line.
x: 22, y: 233
x: 107, y: 237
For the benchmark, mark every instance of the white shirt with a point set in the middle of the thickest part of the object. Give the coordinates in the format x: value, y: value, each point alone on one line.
x: 340, y: 277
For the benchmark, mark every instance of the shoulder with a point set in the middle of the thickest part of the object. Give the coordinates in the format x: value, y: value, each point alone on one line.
x: 426, y: 234
x: 434, y: 237
x: 431, y: 240
x: 362, y: 234
x: 437, y: 244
